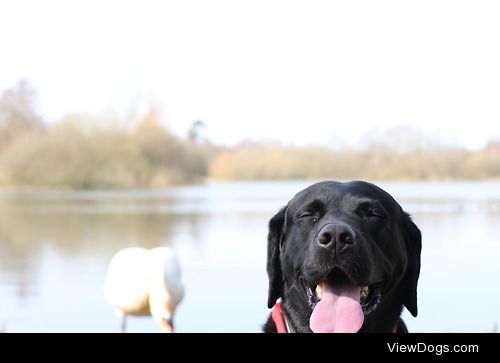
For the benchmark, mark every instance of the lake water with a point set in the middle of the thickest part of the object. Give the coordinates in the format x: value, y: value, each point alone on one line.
x: 55, y: 247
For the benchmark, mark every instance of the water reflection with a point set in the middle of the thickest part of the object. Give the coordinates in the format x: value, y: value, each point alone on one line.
x: 54, y: 250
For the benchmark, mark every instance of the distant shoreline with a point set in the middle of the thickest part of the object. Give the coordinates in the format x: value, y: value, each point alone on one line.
x: 211, y: 181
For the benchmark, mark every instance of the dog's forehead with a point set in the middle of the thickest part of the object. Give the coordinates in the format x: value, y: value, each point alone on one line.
x: 331, y: 192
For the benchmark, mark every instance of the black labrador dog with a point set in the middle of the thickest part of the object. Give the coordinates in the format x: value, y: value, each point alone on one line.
x: 342, y: 257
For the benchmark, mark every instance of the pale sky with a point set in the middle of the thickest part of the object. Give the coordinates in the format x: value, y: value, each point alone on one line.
x: 293, y: 71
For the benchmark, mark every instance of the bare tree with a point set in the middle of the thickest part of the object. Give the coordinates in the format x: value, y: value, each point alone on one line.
x: 17, y: 111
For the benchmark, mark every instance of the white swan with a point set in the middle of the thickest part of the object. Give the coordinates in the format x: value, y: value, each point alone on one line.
x: 145, y: 282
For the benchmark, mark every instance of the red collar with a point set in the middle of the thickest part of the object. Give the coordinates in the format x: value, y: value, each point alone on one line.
x: 279, y: 321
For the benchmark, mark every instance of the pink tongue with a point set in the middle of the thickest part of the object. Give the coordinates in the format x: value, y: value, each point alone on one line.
x: 338, y: 311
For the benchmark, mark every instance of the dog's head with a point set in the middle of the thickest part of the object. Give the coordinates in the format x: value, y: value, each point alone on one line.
x: 343, y: 257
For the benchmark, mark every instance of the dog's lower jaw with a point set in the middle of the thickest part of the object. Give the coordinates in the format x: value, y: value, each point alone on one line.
x: 295, y: 324
x: 297, y: 319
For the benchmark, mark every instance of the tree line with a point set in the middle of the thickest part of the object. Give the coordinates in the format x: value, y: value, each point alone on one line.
x: 82, y: 152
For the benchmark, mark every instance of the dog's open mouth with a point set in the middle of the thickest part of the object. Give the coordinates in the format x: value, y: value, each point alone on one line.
x: 339, y: 304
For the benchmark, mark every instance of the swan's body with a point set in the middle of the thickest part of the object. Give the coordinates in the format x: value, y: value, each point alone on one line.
x: 145, y: 282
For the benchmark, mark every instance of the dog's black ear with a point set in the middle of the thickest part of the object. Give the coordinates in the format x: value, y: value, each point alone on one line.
x: 413, y: 240
x: 274, y: 239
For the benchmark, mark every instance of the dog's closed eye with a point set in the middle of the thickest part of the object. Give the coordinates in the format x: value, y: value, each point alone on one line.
x: 312, y: 211
x: 370, y: 209
x: 310, y: 216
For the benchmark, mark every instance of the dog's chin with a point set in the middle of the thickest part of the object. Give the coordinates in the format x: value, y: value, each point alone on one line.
x: 339, y: 302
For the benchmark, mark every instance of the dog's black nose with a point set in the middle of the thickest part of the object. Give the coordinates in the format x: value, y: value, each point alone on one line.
x: 335, y: 236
